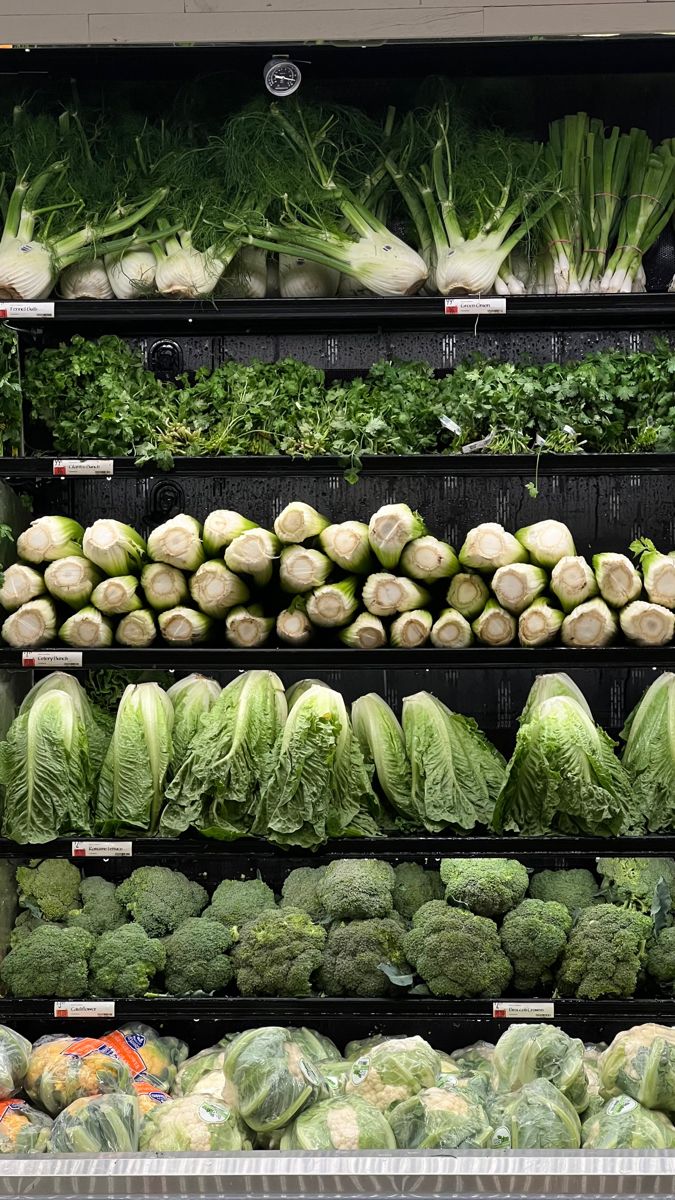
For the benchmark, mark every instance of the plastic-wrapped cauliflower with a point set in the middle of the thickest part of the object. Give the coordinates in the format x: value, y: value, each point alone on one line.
x: 640, y: 1062
x: 195, y: 1070
x: 342, y: 1123
x: 194, y: 1123
x: 23, y: 1130
x: 147, y: 1052
x: 63, y: 1069
x: 317, y: 1045
x: 624, y: 1124
x: 149, y: 1095
x: 536, y: 1117
x: 14, y: 1056
x: 335, y: 1075
x: 360, y: 1046
x: 528, y: 1052
x: 97, y: 1125
x: 479, y: 1057
x: 273, y: 1075
x: 394, y: 1071
x: 439, y: 1119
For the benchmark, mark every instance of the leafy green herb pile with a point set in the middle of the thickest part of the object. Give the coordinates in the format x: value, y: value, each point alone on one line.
x: 299, y: 768
x: 96, y: 398
x: 353, y: 927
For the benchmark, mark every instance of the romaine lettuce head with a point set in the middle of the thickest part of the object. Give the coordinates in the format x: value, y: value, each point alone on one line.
x: 536, y: 1117
x: 556, y: 683
x: 640, y: 1062
x: 394, y: 1071
x: 136, y: 766
x: 528, y: 1052
x: 624, y: 1124
x: 273, y: 1075
x: 439, y: 1119
x: 649, y: 754
x: 342, y: 1123
x: 194, y: 1123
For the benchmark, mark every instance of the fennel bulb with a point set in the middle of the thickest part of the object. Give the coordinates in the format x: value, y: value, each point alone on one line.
x: 183, y: 272
x: 131, y: 273
x: 26, y: 270
x: 300, y: 278
x: 85, y: 281
x: 246, y: 276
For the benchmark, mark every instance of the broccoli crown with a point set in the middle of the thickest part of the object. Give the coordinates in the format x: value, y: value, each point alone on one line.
x: 605, y: 953
x: 457, y: 953
x: 534, y: 936
x: 24, y: 925
x: 355, y: 954
x: 236, y: 901
x: 633, y: 881
x: 160, y: 899
x: 661, y: 958
x: 357, y: 888
x: 124, y: 962
x: 101, y: 909
x: 51, y: 961
x: 300, y: 891
x: 576, y: 888
x: 414, y: 887
x: 49, y: 889
x: 197, y: 958
x: 486, y: 886
x: 278, y: 953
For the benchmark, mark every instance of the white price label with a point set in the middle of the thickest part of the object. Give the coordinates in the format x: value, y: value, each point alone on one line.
x: 476, y: 447
x: 83, y: 466
x: 21, y: 308
x: 84, y: 1008
x: 51, y: 658
x: 101, y: 849
x: 474, y: 306
x: 543, y: 1009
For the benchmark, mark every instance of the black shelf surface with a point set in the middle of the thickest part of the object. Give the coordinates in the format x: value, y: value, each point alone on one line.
x: 312, y: 1010
x: 652, y: 310
x: 335, y: 658
x: 588, y: 465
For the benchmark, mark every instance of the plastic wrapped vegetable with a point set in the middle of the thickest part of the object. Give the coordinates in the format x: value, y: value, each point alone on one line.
x: 336, y: 1074
x: 640, y: 1062
x: 146, y: 1052
x: 273, y: 1075
x: 623, y: 1124
x: 14, y: 1057
x: 440, y: 1120
x: 195, y: 1070
x: 63, y: 1069
x: 97, y: 1125
x: 342, y: 1123
x: 394, y: 1071
x: 23, y: 1130
x: 536, y: 1117
x: 474, y: 1059
x: 316, y: 1045
x: 194, y: 1123
x: 528, y: 1052
x: 149, y: 1095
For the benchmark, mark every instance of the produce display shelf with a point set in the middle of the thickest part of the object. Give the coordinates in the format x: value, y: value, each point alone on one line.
x: 416, y: 847
x: 277, y: 466
x: 316, y: 1010
x: 345, y: 1174
x: 336, y: 658
x: 653, y: 310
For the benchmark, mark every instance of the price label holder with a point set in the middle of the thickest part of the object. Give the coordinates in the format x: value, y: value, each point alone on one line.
x: 25, y: 308
x: 543, y: 1010
x: 101, y: 849
x: 51, y: 659
x: 83, y: 466
x: 84, y: 1008
x: 475, y: 306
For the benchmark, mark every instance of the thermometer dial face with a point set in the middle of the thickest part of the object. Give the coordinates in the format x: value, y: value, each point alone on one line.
x: 282, y: 78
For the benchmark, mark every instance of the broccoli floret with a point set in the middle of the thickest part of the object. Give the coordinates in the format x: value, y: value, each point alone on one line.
x: 661, y: 958
x: 605, y: 954
x: 49, y: 889
x: 534, y: 936
x: 51, y: 961
x: 486, y: 886
x: 357, y: 888
x: 197, y: 958
x: 24, y: 925
x: 101, y: 909
x: 633, y: 881
x: 456, y: 953
x: 278, y: 953
x: 300, y: 891
x: 414, y: 887
x: 355, y: 954
x: 576, y: 888
x: 236, y: 901
x: 160, y: 899
x: 124, y: 962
